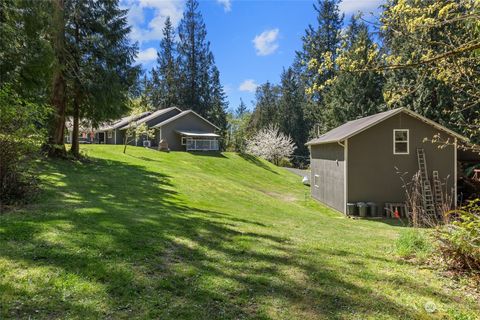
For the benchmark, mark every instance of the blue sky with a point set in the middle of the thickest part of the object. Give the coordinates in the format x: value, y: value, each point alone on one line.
x: 252, y: 41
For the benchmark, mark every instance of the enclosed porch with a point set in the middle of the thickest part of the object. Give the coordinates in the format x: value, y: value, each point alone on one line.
x: 199, y: 141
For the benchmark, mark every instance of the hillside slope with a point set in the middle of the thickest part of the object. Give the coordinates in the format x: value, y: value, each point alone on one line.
x: 197, y: 236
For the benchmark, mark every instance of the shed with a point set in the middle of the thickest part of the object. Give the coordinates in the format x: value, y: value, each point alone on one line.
x: 362, y: 160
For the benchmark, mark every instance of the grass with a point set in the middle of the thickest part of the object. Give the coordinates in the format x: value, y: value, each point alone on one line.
x: 414, y: 243
x: 202, y: 236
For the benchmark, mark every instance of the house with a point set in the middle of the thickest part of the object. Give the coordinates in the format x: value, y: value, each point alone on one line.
x: 86, y: 134
x: 150, y: 120
x: 111, y: 133
x: 181, y: 130
x: 188, y: 131
x: 362, y: 160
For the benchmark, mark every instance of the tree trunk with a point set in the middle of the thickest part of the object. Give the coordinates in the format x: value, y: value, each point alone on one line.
x: 55, y: 145
x: 125, y: 142
x: 75, y: 149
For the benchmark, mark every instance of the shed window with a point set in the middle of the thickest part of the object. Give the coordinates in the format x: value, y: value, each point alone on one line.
x: 315, y: 180
x: 400, y: 141
x: 110, y: 135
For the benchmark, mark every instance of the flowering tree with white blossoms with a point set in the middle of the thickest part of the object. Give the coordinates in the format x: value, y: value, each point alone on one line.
x: 271, y: 145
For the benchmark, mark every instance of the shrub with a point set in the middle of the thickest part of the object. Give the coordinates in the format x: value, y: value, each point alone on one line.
x: 460, y: 239
x: 413, y: 243
x: 285, y: 162
x: 21, y: 135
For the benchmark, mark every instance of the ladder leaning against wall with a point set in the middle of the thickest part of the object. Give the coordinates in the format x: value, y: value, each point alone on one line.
x: 427, y: 195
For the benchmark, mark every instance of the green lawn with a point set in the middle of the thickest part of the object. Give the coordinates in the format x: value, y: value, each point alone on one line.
x: 194, y: 236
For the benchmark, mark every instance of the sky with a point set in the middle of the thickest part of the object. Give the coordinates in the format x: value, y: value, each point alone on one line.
x: 252, y: 41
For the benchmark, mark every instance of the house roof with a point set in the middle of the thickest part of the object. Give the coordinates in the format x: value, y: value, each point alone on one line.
x: 122, y: 122
x: 151, y: 116
x: 182, y: 114
x: 354, y: 127
x: 189, y: 133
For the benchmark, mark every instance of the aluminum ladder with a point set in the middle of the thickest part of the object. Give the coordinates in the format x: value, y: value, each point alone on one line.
x: 427, y: 195
x: 437, y: 189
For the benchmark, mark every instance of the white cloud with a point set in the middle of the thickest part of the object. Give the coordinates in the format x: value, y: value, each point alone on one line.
x: 266, y: 42
x: 160, y: 10
x: 354, y: 6
x: 248, y: 85
x: 147, y: 55
x: 227, y: 4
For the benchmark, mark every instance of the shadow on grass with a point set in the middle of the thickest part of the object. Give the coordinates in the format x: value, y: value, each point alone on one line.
x: 215, y: 154
x: 390, y: 221
x: 118, y: 241
x: 254, y: 160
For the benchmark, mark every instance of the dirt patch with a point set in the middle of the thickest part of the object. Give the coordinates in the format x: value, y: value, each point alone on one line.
x: 281, y: 196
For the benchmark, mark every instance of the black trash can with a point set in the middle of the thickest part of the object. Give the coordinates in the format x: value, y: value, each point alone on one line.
x: 362, y: 209
x: 352, y: 209
x: 373, y: 209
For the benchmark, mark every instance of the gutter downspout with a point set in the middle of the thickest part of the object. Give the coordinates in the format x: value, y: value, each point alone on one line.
x: 345, y: 174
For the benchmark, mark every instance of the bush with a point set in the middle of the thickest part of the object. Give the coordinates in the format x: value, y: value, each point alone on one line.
x: 21, y: 135
x: 413, y: 243
x: 460, y: 239
x: 285, y: 162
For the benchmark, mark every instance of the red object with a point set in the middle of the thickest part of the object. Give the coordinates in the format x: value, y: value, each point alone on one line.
x: 396, y: 214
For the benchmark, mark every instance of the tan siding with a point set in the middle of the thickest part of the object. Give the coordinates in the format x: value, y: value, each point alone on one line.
x: 328, y: 163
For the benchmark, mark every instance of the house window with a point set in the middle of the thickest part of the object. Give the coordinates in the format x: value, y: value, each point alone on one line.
x: 184, y: 141
x: 110, y: 135
x: 316, y: 179
x: 400, y: 141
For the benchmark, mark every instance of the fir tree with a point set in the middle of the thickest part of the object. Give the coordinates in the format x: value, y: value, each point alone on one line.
x: 218, y: 105
x: 165, y: 84
x: 195, y: 60
x: 320, y: 45
x: 290, y: 116
x: 100, y: 76
x: 354, y: 94
x: 241, y: 109
x: 266, y: 107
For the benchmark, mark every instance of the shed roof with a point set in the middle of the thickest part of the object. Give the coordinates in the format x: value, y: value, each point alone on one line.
x: 189, y: 133
x: 354, y: 127
x: 151, y: 116
x: 122, y: 122
x: 182, y: 114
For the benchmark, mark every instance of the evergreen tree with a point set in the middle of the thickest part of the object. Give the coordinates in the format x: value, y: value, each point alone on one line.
x: 290, y: 116
x: 315, y: 63
x: 320, y: 45
x: 354, y: 94
x: 195, y: 60
x: 217, y: 110
x: 165, y: 84
x: 55, y: 145
x: 266, y: 107
x: 241, y: 109
x: 100, y: 76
